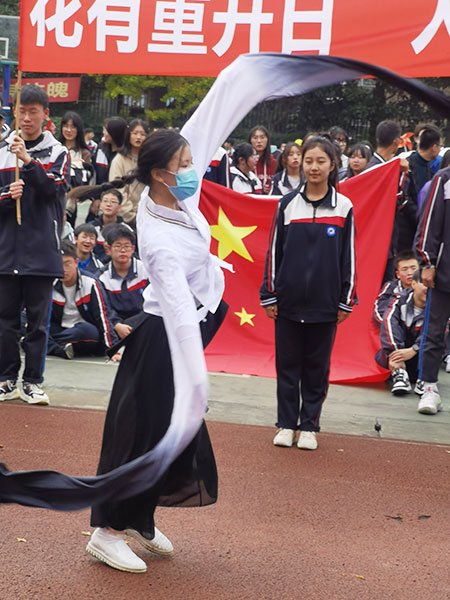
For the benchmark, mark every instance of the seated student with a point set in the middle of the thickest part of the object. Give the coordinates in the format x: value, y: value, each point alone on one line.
x: 110, y: 202
x: 85, y: 240
x: 400, y: 337
x: 124, y: 278
x: 80, y: 315
x: 406, y: 264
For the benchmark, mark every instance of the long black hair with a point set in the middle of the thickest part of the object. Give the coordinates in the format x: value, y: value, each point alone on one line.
x: 126, y: 148
x: 155, y: 153
x: 242, y: 151
x: 70, y: 115
x: 365, y: 152
x: 266, y: 154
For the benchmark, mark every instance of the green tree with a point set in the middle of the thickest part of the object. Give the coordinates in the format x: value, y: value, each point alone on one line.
x: 169, y: 99
x: 10, y: 8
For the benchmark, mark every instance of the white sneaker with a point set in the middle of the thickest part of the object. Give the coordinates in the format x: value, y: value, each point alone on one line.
x: 307, y: 440
x: 112, y: 549
x: 430, y: 402
x: 447, y: 364
x: 33, y: 394
x: 159, y: 544
x: 284, y: 437
x: 400, y: 382
x: 9, y: 390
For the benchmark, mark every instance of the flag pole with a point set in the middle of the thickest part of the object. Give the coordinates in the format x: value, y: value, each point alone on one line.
x: 16, y: 115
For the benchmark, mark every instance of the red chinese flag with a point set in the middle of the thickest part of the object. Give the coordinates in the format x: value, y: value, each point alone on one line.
x: 240, y: 231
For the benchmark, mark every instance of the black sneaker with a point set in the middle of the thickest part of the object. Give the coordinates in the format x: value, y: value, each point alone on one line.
x: 400, y: 382
x: 9, y: 390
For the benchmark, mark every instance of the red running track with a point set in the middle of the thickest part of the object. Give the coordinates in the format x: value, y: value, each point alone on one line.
x: 361, y: 518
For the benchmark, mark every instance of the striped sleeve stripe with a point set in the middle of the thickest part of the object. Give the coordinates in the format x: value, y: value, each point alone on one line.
x: 426, y: 222
x: 376, y: 311
x: 388, y: 323
x: 103, y: 314
x: 352, y: 288
x: 271, y: 257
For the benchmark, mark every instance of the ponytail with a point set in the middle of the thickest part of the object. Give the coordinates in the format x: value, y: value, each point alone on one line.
x: 94, y: 192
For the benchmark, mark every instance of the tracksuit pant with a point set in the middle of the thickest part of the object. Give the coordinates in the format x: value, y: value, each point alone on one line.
x: 432, y: 348
x: 303, y: 353
x: 33, y: 293
x: 85, y: 335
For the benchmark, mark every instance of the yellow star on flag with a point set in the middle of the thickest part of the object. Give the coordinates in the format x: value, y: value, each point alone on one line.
x: 245, y: 317
x: 230, y: 237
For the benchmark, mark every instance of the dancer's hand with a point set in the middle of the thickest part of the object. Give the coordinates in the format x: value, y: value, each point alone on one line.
x: 272, y: 311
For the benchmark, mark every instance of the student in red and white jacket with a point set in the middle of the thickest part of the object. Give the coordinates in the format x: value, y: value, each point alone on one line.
x: 80, y: 319
x: 308, y: 288
x: 124, y: 278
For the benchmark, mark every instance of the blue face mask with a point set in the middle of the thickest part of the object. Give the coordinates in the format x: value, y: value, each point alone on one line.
x: 187, y: 183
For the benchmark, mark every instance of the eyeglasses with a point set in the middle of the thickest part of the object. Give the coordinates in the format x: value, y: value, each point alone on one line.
x: 126, y: 247
x: 108, y: 201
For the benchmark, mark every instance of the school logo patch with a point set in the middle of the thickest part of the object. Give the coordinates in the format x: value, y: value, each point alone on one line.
x: 331, y: 231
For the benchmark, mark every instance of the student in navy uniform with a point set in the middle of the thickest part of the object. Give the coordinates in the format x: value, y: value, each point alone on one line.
x: 110, y: 204
x: 433, y: 249
x: 288, y: 176
x: 85, y: 240
x: 218, y: 170
x: 80, y: 312
x: 406, y: 264
x: 400, y: 336
x: 30, y: 256
x: 308, y: 288
x: 243, y: 168
x: 124, y: 278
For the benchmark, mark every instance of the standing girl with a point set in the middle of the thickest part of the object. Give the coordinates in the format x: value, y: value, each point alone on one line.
x: 242, y: 170
x: 163, y: 363
x: 358, y: 159
x: 124, y: 162
x: 260, y: 140
x: 308, y: 288
x: 287, y: 177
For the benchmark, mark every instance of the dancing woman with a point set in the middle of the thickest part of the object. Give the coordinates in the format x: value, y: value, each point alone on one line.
x: 186, y: 288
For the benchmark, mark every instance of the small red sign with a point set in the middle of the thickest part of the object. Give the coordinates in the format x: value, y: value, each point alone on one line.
x: 58, y: 89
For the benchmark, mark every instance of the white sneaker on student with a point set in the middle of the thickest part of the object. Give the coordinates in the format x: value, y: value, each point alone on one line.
x: 400, y: 382
x: 447, y: 364
x: 33, y: 394
x: 9, y: 390
x: 284, y: 437
x: 419, y: 388
x: 112, y: 549
x: 430, y: 402
x: 307, y: 440
x: 159, y: 544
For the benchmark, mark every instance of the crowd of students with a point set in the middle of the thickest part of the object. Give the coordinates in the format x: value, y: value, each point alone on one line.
x: 100, y: 291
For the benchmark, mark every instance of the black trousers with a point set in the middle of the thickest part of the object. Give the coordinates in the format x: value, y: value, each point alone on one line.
x: 432, y: 348
x: 34, y: 294
x: 303, y: 353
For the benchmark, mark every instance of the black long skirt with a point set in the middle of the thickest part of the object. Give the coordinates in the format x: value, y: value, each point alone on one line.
x: 138, y: 416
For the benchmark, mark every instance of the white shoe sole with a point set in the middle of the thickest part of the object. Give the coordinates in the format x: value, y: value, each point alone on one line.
x: 429, y: 410
x: 98, y: 554
x: 302, y: 447
x: 15, y: 395
x: 28, y: 400
x: 148, y: 544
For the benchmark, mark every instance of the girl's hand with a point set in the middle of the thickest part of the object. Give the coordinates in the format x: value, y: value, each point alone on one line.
x: 342, y: 315
x: 271, y: 311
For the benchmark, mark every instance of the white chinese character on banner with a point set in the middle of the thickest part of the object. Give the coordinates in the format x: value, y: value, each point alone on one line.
x: 179, y: 18
x: 63, y: 12
x: 322, y: 17
x: 232, y: 17
x: 441, y: 15
x: 103, y: 11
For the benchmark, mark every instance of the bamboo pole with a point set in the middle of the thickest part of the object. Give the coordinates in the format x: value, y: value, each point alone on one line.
x: 16, y: 115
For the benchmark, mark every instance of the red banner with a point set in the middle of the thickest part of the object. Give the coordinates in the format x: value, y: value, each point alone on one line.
x: 59, y: 89
x: 201, y: 37
x: 240, y: 232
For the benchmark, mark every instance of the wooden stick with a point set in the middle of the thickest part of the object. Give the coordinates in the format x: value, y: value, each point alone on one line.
x: 16, y: 116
